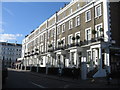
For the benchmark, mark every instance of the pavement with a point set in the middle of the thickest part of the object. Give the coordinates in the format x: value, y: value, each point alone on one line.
x: 88, y: 83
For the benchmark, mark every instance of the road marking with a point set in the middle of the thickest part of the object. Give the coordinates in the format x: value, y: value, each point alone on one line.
x: 38, y: 85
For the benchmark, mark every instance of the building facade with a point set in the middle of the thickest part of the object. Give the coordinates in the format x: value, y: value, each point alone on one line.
x: 79, y: 32
x: 9, y: 52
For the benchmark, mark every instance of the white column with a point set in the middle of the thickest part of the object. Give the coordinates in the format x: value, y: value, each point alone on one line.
x: 47, y: 65
x: 92, y: 59
x: 25, y: 64
x: 76, y: 59
x: 71, y: 59
x: 18, y: 66
x: 56, y: 61
x: 106, y: 20
x: 100, y: 58
x: 21, y: 66
x: 107, y: 59
x: 61, y: 60
x: 28, y: 61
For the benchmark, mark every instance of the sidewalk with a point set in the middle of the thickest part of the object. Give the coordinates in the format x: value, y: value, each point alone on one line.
x: 89, y: 83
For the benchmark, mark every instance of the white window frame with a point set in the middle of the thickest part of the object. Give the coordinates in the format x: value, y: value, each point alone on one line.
x: 76, y: 35
x: 78, y: 6
x: 88, y: 55
x: 48, y: 45
x: 88, y: 1
x: 42, y: 37
x: 70, y: 41
x: 51, y: 32
x: 58, y: 30
x: 70, y: 24
x: 71, y: 11
x: 45, y: 36
x: 87, y: 20
x: 52, y: 42
x: 88, y: 34
x: 96, y: 11
x: 77, y: 21
x: 57, y: 42
x: 98, y: 32
x: 48, y: 34
x: 63, y: 27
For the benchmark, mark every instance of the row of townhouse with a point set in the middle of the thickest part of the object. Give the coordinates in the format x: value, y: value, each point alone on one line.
x: 79, y: 32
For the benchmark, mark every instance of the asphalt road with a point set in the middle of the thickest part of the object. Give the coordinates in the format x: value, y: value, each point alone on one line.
x: 22, y: 79
x: 26, y: 79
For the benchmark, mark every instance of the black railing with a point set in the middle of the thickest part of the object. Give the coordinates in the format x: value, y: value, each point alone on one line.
x: 78, y: 44
x: 50, y: 50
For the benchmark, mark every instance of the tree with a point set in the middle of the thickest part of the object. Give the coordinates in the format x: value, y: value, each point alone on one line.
x: 73, y: 38
x: 36, y: 49
x: 32, y: 51
x: 50, y: 45
x: 101, y: 30
x: 94, y: 32
x: 59, y: 43
x: 62, y: 42
x: 77, y: 37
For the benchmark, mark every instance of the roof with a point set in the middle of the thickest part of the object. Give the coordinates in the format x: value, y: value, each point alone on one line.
x: 10, y: 44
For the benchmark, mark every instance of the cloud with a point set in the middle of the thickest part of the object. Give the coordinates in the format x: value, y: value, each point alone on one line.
x: 8, y: 11
x: 7, y: 37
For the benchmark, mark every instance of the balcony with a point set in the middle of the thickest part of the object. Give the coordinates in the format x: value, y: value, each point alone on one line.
x: 93, y: 40
x: 50, y: 50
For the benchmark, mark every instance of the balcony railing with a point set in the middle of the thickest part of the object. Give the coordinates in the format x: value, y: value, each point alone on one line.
x: 77, y: 44
x: 92, y: 40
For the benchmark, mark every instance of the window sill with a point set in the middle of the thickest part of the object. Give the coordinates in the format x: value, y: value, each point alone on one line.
x: 98, y: 17
x: 88, y: 21
x: 70, y: 28
x: 77, y: 25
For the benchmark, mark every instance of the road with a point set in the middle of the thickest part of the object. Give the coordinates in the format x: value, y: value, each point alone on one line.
x: 23, y: 79
x: 27, y: 79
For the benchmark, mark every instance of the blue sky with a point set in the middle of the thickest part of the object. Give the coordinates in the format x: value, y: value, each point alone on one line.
x: 20, y: 18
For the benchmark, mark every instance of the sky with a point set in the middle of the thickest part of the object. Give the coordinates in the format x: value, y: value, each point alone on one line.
x: 20, y: 18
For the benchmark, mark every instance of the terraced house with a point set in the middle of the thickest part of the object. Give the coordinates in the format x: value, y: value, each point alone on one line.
x: 79, y: 32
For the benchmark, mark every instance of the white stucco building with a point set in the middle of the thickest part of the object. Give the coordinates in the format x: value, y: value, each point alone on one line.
x: 9, y: 52
x: 79, y: 32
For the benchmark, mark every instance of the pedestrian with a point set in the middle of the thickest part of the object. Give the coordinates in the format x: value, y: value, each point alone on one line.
x: 77, y: 73
x: 60, y: 72
x: 108, y: 77
x: 73, y: 72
